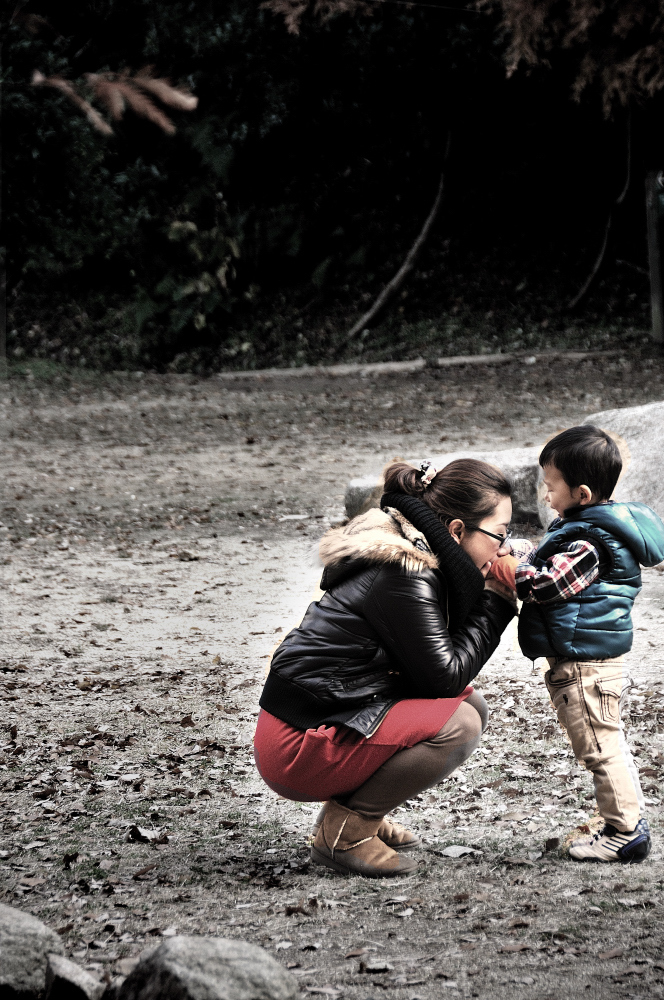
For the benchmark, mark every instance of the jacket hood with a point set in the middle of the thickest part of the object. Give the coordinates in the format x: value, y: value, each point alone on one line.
x: 634, y: 524
x: 377, y: 537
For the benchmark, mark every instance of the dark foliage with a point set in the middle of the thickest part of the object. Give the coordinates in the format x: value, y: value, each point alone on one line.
x: 298, y: 184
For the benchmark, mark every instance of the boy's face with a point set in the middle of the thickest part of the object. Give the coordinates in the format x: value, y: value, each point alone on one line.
x: 559, y: 495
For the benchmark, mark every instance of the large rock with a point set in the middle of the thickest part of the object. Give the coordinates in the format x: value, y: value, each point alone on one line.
x: 641, y: 429
x: 519, y: 465
x: 67, y: 981
x: 25, y: 944
x: 198, y: 968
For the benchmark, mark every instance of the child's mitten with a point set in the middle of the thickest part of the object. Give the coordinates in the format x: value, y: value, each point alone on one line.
x: 504, y: 571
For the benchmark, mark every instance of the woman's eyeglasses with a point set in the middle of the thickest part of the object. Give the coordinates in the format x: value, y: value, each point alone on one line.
x: 503, y: 539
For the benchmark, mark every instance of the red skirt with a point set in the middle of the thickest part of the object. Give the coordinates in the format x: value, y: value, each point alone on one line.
x: 315, y: 765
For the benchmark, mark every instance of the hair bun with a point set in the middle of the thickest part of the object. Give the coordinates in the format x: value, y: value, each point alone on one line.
x: 400, y: 477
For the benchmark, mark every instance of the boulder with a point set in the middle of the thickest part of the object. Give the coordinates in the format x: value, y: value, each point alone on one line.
x: 641, y: 429
x: 198, y: 968
x: 25, y: 944
x: 520, y: 466
x: 67, y: 981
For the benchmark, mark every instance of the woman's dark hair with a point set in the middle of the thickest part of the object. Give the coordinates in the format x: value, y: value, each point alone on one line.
x: 466, y: 488
x: 585, y: 455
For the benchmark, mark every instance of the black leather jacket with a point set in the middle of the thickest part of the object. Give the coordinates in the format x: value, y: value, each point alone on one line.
x: 381, y: 632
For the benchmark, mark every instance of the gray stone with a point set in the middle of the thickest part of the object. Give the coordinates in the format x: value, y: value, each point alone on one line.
x: 520, y: 466
x: 25, y: 943
x: 641, y: 429
x: 67, y: 981
x: 198, y: 968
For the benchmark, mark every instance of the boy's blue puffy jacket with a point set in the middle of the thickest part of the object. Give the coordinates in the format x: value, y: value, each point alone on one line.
x: 597, y: 623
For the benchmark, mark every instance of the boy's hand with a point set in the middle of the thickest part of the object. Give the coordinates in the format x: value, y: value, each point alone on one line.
x: 503, y: 570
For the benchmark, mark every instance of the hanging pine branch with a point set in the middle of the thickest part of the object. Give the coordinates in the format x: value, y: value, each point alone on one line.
x: 617, y: 47
x: 119, y: 91
x: 293, y: 11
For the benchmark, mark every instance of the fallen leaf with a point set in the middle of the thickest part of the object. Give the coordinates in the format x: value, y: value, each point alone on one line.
x: 458, y: 851
x: 69, y: 859
x: 519, y: 922
x: 142, y: 872
x: 408, y: 912
x: 356, y: 953
x: 31, y: 882
x: 552, y: 843
x: 515, y: 947
x: 283, y: 945
x: 513, y: 860
x: 187, y: 722
x: 141, y: 835
x: 614, y: 953
x: 376, y: 965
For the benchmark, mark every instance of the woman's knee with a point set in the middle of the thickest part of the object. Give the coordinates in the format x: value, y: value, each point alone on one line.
x: 463, y: 728
x: 479, y: 704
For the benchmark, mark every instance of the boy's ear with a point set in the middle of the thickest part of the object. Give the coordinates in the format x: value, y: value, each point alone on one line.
x: 585, y: 495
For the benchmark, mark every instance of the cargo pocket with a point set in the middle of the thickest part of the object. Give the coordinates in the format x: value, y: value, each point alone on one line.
x: 609, y: 691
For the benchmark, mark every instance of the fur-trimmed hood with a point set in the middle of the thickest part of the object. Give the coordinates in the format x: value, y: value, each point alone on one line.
x: 377, y: 537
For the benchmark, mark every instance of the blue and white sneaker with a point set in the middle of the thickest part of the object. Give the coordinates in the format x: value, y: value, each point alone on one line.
x: 611, y: 845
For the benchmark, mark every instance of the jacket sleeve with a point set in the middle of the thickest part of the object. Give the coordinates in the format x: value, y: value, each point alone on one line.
x: 405, y: 610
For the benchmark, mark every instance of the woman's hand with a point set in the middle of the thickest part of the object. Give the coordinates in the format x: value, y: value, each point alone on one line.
x: 501, y: 589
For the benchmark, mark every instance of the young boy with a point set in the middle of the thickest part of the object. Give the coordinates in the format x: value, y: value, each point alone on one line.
x: 578, y: 588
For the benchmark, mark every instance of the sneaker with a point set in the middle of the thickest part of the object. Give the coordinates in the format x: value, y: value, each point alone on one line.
x: 611, y: 845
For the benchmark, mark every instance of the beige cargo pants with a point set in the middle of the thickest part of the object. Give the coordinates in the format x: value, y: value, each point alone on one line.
x: 587, y: 696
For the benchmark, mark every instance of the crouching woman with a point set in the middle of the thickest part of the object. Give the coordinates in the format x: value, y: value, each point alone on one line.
x: 369, y: 701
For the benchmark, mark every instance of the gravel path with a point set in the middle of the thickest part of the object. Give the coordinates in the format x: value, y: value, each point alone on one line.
x: 152, y: 558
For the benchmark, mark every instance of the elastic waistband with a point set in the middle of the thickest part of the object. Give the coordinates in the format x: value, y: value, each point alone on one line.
x: 553, y: 661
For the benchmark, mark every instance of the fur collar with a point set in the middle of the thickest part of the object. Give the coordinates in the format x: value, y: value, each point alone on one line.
x: 379, y: 536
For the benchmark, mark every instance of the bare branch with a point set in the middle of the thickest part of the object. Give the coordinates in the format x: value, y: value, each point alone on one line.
x: 395, y: 284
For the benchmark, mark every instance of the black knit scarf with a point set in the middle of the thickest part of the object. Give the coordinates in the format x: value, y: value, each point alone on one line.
x: 464, y: 581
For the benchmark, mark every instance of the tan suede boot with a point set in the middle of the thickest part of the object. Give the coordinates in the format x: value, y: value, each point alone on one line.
x: 394, y: 835
x: 346, y: 842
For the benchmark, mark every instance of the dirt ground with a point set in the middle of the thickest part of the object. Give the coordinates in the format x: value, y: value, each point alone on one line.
x: 157, y: 539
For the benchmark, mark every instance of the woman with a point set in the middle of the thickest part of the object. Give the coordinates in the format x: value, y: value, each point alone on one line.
x: 368, y: 702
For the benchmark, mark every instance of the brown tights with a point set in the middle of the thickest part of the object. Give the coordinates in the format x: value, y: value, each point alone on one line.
x: 412, y: 770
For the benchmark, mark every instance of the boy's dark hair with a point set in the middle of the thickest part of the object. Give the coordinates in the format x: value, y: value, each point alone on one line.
x: 585, y: 455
